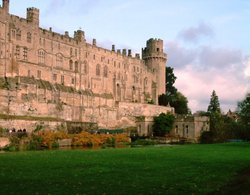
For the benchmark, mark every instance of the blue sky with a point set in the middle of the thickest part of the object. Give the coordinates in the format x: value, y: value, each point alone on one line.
x: 207, y: 41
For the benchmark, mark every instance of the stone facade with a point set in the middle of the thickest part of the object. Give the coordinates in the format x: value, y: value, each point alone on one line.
x: 190, y: 127
x: 185, y: 127
x: 47, y: 74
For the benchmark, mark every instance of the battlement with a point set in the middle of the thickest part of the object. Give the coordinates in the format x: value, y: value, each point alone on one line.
x: 33, y: 15
x: 154, y: 48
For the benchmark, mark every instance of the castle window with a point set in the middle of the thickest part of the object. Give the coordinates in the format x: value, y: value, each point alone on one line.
x: 25, y: 53
x: 98, y: 70
x: 76, y: 52
x: 71, y: 65
x: 13, y: 34
x: 17, y: 51
x: 29, y: 73
x: 85, y: 68
x: 59, y: 60
x: 29, y: 37
x: 54, y: 77
x: 39, y: 74
x: 71, y: 52
x: 18, y: 34
x: 157, y: 49
x: 114, y: 63
x: 176, y: 129
x: 72, y: 81
x: 105, y: 71
x: 62, y: 79
x: 76, y: 66
x: 41, y: 57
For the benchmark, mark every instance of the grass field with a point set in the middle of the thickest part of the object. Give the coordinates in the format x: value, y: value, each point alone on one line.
x: 182, y: 169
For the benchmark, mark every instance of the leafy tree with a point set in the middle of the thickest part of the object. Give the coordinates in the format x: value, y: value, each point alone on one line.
x: 244, y: 110
x: 214, y: 105
x: 173, y: 97
x: 163, y: 124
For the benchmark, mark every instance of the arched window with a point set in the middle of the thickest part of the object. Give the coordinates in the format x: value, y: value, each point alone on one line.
x: 105, y: 71
x: 41, y: 56
x: 71, y: 65
x: 29, y: 37
x: 98, y: 70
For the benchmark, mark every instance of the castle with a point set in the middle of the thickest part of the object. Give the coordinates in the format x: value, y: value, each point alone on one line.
x: 47, y: 77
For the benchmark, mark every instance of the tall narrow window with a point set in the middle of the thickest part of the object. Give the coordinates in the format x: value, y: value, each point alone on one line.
x: 59, y: 60
x: 29, y: 73
x: 105, y: 71
x: 17, y: 51
x: 29, y: 37
x: 25, y: 53
x: 98, y: 70
x: 39, y: 74
x: 18, y: 34
x: 62, y: 79
x: 76, y: 66
x: 71, y: 65
x: 41, y: 57
x: 85, y: 68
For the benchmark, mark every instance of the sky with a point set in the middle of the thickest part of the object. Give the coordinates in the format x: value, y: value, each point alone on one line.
x: 207, y: 41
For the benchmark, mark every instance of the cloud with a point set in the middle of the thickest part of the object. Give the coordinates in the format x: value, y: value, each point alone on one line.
x: 178, y: 55
x: 193, y: 34
x: 202, y: 69
x: 219, y: 57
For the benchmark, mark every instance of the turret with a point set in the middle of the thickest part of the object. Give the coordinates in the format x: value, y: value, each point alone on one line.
x: 6, y: 5
x: 33, y: 15
x: 156, y: 59
x: 79, y: 36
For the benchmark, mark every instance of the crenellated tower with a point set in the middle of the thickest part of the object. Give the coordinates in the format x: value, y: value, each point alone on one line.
x: 156, y: 59
x: 6, y: 5
x: 33, y: 16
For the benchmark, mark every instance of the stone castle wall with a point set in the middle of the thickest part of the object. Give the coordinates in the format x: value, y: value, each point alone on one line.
x: 47, y: 74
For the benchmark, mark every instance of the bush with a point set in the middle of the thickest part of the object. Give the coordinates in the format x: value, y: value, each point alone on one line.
x: 207, y: 137
x: 163, y: 124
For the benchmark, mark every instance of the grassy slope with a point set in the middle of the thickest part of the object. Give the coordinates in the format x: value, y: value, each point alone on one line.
x: 185, y: 169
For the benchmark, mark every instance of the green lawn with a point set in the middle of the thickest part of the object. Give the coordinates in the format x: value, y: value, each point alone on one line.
x: 182, y: 169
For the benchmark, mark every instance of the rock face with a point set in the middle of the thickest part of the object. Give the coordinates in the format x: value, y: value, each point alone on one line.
x: 49, y: 77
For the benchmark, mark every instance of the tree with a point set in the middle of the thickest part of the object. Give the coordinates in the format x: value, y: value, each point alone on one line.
x: 244, y: 110
x: 173, y: 97
x: 170, y: 80
x: 214, y: 112
x: 163, y: 124
x: 214, y: 105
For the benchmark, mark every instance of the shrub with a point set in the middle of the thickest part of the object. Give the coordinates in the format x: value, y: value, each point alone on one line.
x: 163, y: 124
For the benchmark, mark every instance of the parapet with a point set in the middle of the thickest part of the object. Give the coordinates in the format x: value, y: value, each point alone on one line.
x: 33, y: 15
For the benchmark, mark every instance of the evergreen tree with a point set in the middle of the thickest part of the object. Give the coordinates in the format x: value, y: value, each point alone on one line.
x: 214, y: 105
x: 214, y: 112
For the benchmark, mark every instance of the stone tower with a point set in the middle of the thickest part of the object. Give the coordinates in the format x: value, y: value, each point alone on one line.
x: 33, y: 16
x: 156, y: 59
x: 6, y: 5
